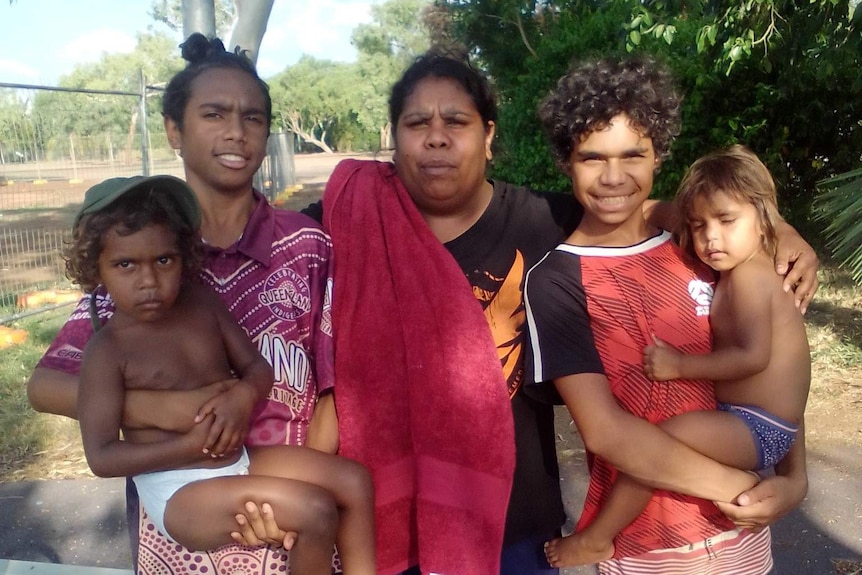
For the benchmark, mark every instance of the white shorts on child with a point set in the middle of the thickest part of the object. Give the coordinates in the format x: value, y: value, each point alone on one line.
x: 155, y: 489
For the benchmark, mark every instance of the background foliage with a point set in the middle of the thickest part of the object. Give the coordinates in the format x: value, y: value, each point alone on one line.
x: 782, y: 77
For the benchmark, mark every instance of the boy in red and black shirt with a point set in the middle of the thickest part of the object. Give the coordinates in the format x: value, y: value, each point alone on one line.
x: 598, y: 299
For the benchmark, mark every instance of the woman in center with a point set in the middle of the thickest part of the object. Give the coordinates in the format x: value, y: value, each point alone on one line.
x: 428, y: 383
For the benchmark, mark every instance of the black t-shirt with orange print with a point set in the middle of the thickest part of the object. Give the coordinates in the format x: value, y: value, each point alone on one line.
x: 517, y: 229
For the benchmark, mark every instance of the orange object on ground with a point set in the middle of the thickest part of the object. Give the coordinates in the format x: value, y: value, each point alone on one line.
x: 37, y: 299
x: 10, y: 336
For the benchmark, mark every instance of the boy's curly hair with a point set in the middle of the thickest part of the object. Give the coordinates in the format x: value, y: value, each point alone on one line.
x: 594, y: 92
x: 129, y: 214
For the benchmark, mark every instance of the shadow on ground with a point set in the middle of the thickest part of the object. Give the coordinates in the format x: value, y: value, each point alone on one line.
x: 82, y: 521
x: 78, y: 522
x: 822, y: 537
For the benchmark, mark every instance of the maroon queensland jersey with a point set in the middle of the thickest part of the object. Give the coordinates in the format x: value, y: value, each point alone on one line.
x: 593, y: 310
x: 276, y: 282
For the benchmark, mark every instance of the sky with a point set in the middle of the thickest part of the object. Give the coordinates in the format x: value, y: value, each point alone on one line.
x: 42, y: 40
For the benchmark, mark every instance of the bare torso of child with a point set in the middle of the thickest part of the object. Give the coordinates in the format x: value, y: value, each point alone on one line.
x: 782, y: 387
x: 182, y: 350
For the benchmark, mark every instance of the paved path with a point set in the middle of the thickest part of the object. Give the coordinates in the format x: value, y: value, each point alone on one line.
x: 76, y: 521
x: 827, y: 526
x: 81, y: 522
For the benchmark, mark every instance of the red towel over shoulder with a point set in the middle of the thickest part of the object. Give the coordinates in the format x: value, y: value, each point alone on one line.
x: 419, y: 392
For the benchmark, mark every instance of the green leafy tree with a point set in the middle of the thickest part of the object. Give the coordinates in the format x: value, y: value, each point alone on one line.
x: 792, y: 72
x: 397, y: 30
x: 97, y: 115
x: 839, y: 209
x: 368, y: 99
x: 15, y: 134
x: 345, y: 106
x: 311, y: 99
x: 397, y: 34
x: 752, y: 29
x: 795, y: 97
x: 525, y: 47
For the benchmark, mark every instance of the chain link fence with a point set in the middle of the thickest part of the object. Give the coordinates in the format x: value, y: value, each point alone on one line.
x: 56, y: 143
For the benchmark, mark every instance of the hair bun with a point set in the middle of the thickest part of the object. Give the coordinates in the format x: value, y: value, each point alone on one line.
x: 198, y: 48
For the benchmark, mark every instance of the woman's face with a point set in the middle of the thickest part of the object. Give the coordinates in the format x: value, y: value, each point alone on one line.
x: 442, y: 147
x: 223, y: 140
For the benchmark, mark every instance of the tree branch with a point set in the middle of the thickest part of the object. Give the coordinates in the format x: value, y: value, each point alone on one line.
x: 520, y: 26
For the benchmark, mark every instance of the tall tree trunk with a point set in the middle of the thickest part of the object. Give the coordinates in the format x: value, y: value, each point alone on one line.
x: 199, y: 16
x: 252, y: 16
x: 248, y: 31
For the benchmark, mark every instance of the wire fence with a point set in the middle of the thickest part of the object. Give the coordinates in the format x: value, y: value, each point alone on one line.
x: 54, y: 145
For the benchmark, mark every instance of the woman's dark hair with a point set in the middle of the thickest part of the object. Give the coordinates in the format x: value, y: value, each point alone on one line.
x: 203, y: 54
x: 129, y: 214
x: 594, y: 92
x: 437, y: 64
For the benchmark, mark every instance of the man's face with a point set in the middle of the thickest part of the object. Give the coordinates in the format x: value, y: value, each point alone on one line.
x: 612, y: 175
x: 223, y: 140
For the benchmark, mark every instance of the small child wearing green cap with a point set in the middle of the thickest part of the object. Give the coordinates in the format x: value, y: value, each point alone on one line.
x: 138, y: 237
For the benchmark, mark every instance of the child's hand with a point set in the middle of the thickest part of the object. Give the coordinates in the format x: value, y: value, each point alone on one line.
x: 197, y: 437
x: 231, y: 412
x: 257, y: 526
x: 661, y: 362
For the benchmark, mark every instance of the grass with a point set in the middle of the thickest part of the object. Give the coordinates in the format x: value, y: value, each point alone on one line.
x: 31, y: 442
x: 835, y: 321
x: 34, y: 445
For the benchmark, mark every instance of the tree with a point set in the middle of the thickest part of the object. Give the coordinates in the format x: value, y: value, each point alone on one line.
x: 246, y: 18
x: 345, y: 106
x: 795, y: 96
x: 61, y: 114
x: 737, y: 31
x: 311, y: 99
x: 793, y: 71
x: 14, y: 135
x: 839, y: 208
x: 397, y: 34
x: 397, y: 31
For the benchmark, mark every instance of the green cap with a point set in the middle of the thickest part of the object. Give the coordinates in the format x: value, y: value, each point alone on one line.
x: 105, y: 193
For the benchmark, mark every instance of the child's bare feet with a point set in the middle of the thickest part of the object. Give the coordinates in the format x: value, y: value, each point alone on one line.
x: 576, y: 550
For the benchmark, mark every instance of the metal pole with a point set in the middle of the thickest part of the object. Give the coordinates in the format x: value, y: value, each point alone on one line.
x: 72, y: 155
x: 28, y: 313
x: 145, y: 137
